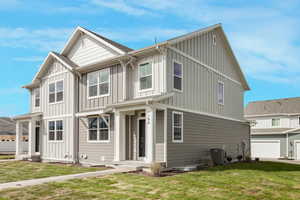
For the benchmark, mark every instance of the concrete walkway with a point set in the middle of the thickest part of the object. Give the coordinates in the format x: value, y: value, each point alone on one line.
x: 296, y: 162
x: 8, y: 160
x: 19, y: 184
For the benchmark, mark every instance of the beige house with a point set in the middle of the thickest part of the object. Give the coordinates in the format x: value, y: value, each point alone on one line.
x: 99, y: 102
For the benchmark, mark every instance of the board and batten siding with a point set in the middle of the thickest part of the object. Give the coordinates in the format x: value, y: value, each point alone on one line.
x: 96, y: 152
x: 200, y: 134
x: 158, y: 63
x: 160, y: 141
x: 200, y: 89
x: 87, y: 51
x: 115, y: 94
x: 58, y: 150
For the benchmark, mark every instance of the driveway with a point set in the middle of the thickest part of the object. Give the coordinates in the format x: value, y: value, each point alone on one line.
x: 296, y: 162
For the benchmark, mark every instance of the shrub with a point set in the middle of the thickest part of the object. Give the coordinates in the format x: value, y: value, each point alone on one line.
x: 248, y: 159
x: 256, y: 159
x: 229, y: 158
x: 156, y: 169
x: 239, y: 157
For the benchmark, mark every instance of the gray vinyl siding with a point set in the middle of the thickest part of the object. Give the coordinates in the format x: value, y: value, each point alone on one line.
x: 96, y: 152
x: 201, y: 133
x: 200, y: 89
x: 116, y: 91
x: 281, y: 138
x: 159, y: 147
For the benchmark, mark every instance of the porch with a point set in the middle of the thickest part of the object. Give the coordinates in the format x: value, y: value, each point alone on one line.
x: 30, y: 149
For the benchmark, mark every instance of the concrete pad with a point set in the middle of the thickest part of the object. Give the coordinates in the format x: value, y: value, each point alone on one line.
x: 24, y: 183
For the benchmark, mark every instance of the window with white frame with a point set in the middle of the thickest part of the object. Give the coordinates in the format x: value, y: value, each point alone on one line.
x: 56, y: 91
x: 37, y: 97
x: 98, y: 83
x: 145, y: 76
x: 276, y: 122
x: 98, y: 129
x: 55, y: 130
x: 220, y: 93
x: 177, y: 76
x: 298, y: 120
x: 177, y: 126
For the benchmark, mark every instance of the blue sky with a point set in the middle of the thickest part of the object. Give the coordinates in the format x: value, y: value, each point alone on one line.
x: 265, y: 36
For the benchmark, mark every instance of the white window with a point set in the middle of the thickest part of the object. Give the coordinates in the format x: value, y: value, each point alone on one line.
x: 98, y: 129
x: 56, y: 92
x: 145, y: 76
x: 98, y: 83
x: 275, y: 122
x: 214, y: 39
x: 220, y: 93
x: 299, y: 120
x: 37, y: 97
x: 55, y: 130
x: 177, y: 76
x: 177, y: 126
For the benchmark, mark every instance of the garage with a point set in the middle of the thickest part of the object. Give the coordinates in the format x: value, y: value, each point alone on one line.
x: 265, y: 148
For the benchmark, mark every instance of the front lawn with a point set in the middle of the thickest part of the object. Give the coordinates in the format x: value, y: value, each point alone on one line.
x: 264, y: 180
x: 5, y: 157
x: 23, y: 170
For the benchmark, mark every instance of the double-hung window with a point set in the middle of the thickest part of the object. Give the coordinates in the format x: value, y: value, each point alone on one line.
x: 55, y: 130
x: 37, y: 97
x: 276, y: 122
x: 98, y: 129
x: 145, y: 76
x: 177, y: 126
x: 177, y: 76
x: 220, y: 90
x: 56, y: 91
x: 98, y: 83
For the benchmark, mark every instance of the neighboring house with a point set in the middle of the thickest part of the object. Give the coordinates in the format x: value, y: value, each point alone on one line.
x: 275, y: 131
x: 8, y: 135
x: 98, y: 101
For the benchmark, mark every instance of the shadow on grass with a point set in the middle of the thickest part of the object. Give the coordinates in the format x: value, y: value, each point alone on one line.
x: 266, y: 166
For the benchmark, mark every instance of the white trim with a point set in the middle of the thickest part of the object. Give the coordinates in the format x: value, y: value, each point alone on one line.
x: 203, y: 64
x: 165, y: 134
x: 152, y: 77
x: 138, y: 139
x: 55, y: 131
x: 181, y: 114
x: 223, y: 93
x: 98, y: 83
x: 34, y: 92
x: 83, y: 114
x: 200, y: 113
x: 55, y: 74
x: 175, y: 89
x: 55, y: 91
x: 98, y: 130
x: 57, y: 116
x: 273, y: 114
x: 287, y: 145
x: 295, y: 149
x: 271, y: 141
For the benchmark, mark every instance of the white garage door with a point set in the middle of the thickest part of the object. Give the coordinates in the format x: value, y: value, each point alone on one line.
x: 265, y: 149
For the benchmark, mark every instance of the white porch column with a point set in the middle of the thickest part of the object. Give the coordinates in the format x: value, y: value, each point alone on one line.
x: 31, y: 137
x: 150, y: 134
x: 119, y: 136
x: 18, y: 139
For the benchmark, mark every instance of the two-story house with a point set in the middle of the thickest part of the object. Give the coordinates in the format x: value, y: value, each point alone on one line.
x: 275, y: 128
x: 98, y: 101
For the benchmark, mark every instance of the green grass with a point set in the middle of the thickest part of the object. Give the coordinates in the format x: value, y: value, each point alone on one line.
x: 264, y: 180
x: 4, y: 157
x: 22, y: 170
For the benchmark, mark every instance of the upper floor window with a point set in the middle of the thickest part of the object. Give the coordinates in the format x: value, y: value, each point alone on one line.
x: 145, y: 76
x: 177, y: 76
x: 299, y: 120
x: 98, y: 83
x: 55, y: 130
x: 98, y: 129
x: 275, y: 122
x: 177, y: 126
x: 37, y: 97
x: 56, y: 91
x: 220, y: 93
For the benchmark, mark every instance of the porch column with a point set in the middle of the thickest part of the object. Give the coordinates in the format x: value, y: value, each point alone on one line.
x: 31, y: 137
x: 119, y: 136
x: 150, y: 134
x: 18, y: 139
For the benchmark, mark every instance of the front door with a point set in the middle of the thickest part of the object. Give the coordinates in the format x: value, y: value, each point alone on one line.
x: 37, y: 139
x: 142, y: 138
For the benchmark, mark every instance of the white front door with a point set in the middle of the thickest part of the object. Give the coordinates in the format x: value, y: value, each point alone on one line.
x: 297, y: 150
x: 265, y: 148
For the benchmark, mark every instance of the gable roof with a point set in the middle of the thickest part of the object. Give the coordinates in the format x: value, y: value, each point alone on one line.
x: 286, y: 106
x: 117, y: 48
x: 67, y: 63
